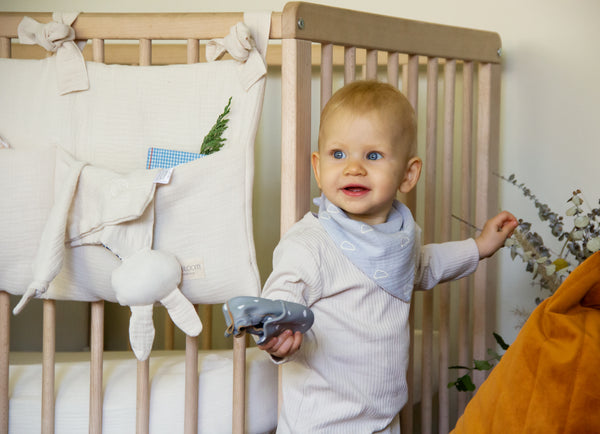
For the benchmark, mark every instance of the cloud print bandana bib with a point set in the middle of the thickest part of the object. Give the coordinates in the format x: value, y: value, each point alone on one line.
x: 384, y: 252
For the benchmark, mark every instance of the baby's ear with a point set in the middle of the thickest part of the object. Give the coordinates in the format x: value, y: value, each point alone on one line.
x: 411, y: 176
x: 315, y: 158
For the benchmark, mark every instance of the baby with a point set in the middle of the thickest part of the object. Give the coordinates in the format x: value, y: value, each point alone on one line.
x: 355, y: 264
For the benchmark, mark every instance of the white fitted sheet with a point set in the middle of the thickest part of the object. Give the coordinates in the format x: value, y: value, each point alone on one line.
x: 167, y: 368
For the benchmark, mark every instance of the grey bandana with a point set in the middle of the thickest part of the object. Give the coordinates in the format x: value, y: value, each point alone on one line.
x: 384, y: 252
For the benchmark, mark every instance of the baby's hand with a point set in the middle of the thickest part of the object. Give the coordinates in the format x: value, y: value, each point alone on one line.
x: 284, y: 345
x: 495, y: 232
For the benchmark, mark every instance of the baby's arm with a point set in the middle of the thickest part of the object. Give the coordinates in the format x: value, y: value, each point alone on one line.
x: 494, y: 233
x: 294, y: 278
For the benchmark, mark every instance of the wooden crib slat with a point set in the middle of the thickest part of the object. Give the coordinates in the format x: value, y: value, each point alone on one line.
x: 193, y: 51
x: 429, y: 237
x: 145, y: 52
x: 239, y: 384
x: 371, y: 65
x: 410, y: 87
x: 169, y: 330
x: 465, y: 285
x: 190, y: 423
x: 48, y: 357
x: 142, y: 425
x: 96, y: 324
x: 295, y: 131
x: 4, y: 359
x: 393, y: 68
x: 96, y: 362
x: 406, y: 414
x: 412, y: 93
x: 98, y: 50
x: 142, y: 421
x: 206, y: 336
x: 486, y: 198
x: 326, y: 73
x: 444, y: 292
x: 349, y: 64
x: 5, y: 48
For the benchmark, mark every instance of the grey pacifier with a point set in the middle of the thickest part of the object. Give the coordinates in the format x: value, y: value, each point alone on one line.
x: 264, y: 317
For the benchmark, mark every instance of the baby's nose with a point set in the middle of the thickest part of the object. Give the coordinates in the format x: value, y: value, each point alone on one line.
x: 354, y: 167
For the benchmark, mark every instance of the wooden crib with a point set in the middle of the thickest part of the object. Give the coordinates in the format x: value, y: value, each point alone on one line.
x: 451, y: 76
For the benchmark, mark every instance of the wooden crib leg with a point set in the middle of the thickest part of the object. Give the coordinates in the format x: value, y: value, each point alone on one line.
x: 239, y: 384
x: 4, y: 360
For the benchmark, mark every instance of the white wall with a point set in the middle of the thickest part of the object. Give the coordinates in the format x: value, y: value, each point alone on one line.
x: 550, y: 93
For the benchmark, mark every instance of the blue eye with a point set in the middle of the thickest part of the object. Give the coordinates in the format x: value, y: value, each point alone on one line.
x: 374, y: 156
x: 338, y: 155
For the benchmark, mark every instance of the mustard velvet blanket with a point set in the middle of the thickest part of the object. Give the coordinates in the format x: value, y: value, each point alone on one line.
x: 549, y: 379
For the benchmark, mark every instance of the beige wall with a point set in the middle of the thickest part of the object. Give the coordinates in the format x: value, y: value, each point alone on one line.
x: 550, y: 100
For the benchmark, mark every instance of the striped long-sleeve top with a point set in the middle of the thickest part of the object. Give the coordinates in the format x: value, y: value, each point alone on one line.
x: 349, y: 375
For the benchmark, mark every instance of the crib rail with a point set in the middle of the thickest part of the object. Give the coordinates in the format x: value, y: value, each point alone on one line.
x: 328, y: 25
x: 459, y: 130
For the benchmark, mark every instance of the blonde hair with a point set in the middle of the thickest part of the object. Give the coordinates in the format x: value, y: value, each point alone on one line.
x: 389, y: 103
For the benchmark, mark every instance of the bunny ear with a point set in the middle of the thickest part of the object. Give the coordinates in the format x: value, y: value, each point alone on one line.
x: 141, y: 331
x: 182, y: 313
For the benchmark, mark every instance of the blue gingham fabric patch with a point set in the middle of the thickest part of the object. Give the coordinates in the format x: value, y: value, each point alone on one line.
x: 166, y: 158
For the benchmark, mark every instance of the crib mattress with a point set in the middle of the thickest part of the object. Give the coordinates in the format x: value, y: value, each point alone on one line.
x: 167, y: 379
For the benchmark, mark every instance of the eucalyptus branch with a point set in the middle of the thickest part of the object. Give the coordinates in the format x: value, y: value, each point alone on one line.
x: 548, y: 269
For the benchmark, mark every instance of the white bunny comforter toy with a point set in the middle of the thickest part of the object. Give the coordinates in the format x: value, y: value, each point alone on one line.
x: 96, y: 206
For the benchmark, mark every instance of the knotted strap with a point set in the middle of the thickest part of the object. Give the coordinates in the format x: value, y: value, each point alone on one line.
x: 242, y: 44
x: 58, y: 37
x: 238, y: 43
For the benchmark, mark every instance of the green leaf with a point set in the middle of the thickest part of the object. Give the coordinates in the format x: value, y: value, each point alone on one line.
x: 500, y: 341
x: 482, y: 365
x: 464, y: 384
x: 214, y: 140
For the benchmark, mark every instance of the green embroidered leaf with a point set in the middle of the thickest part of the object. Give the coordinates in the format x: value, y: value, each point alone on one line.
x: 214, y: 140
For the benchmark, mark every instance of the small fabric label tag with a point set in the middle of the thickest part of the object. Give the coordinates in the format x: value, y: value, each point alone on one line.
x: 193, y: 269
x: 164, y: 176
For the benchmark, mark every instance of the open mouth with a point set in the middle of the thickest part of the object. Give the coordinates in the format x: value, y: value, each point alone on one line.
x: 355, y: 190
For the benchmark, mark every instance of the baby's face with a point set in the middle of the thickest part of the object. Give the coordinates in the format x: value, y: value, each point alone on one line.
x: 360, y: 166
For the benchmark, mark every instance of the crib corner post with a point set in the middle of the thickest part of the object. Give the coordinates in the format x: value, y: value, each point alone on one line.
x: 295, y: 130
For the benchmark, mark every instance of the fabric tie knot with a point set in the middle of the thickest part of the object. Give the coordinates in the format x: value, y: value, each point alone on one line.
x: 240, y: 44
x: 59, y: 37
x: 50, y: 36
